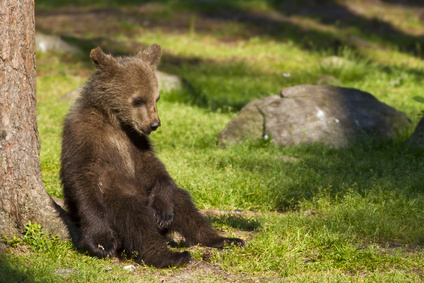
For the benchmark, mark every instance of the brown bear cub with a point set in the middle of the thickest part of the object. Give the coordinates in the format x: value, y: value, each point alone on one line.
x: 117, y: 192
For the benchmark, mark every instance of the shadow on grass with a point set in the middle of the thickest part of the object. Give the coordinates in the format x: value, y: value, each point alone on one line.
x: 363, y: 30
x: 227, y: 86
x: 11, y: 270
x: 236, y: 221
x: 216, y: 85
x: 407, y: 3
x: 357, y: 29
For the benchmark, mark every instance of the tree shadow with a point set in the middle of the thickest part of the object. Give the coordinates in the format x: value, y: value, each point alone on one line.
x: 285, y: 22
x: 10, y: 272
x: 407, y: 3
x: 193, y: 70
x: 217, y: 85
x: 106, y: 20
x: 73, y: 232
x: 357, y: 30
x: 236, y: 221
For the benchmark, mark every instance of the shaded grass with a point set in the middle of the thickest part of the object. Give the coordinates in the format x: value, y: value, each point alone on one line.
x: 50, y: 260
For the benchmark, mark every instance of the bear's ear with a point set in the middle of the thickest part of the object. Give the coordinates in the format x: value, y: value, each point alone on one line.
x: 101, y: 60
x: 151, y: 55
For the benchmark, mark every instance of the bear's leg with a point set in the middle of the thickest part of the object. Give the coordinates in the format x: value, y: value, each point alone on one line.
x: 88, y: 211
x: 194, y: 227
x: 134, y: 223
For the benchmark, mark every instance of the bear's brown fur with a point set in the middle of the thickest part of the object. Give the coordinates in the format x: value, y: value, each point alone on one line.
x: 117, y: 192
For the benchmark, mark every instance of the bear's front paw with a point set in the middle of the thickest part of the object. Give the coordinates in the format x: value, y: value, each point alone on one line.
x: 99, y: 243
x: 163, y: 213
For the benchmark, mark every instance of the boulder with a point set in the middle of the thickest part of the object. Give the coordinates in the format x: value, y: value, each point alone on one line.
x: 310, y: 113
x: 46, y: 43
x: 416, y: 140
x: 168, y: 82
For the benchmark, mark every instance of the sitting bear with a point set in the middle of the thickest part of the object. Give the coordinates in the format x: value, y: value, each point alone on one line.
x: 118, y: 194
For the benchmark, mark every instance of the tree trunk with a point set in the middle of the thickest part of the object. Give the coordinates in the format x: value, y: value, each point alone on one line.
x: 22, y: 193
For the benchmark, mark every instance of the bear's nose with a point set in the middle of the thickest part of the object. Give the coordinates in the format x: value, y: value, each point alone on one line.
x: 154, y: 126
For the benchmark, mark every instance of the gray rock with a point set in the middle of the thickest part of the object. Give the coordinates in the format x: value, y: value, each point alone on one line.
x: 46, y: 43
x: 307, y: 113
x: 168, y: 82
x: 416, y: 140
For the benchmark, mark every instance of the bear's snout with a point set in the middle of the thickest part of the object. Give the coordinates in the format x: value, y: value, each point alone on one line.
x: 154, y: 126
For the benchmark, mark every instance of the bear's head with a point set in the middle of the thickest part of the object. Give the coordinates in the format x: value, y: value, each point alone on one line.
x: 127, y: 87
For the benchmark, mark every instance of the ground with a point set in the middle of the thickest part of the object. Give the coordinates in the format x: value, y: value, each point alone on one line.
x: 324, y: 214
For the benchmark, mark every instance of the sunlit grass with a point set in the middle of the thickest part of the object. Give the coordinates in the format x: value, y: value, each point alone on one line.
x: 321, y: 214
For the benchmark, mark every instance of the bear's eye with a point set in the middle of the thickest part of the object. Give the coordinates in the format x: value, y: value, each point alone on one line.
x: 137, y: 102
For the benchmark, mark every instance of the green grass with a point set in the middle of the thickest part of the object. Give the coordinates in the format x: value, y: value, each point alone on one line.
x: 320, y: 214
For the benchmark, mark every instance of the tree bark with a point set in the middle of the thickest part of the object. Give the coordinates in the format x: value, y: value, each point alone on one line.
x: 22, y: 193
